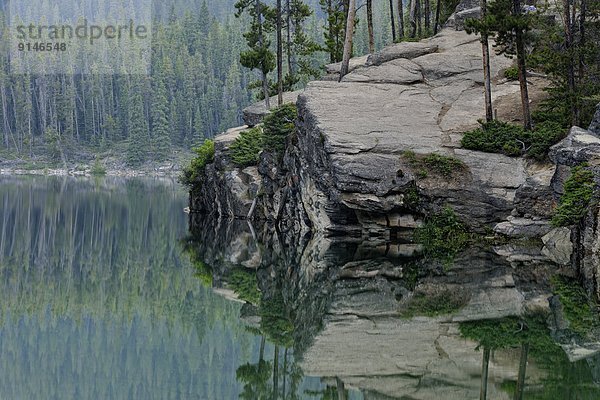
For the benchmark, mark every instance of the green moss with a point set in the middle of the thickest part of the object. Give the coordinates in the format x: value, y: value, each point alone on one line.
x: 443, y: 236
x: 246, y: 148
x: 446, y: 302
x: 577, y: 308
x: 512, y: 140
x: 203, y: 272
x: 205, y: 156
x: 278, y: 126
x: 245, y: 285
x: 577, y: 197
x: 434, y: 163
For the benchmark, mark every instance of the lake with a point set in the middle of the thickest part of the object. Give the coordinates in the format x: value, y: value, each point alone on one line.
x: 106, y: 294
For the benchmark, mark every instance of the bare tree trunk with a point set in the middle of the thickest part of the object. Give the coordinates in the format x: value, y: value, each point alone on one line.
x: 419, y: 25
x: 341, y: 389
x: 349, y: 37
x: 520, y: 41
x: 413, y: 18
x: 489, y: 111
x: 393, y: 18
x: 427, y: 16
x: 279, y: 54
x: 484, y: 373
x: 568, y: 23
x: 522, y: 372
x: 276, y: 374
x: 582, y: 38
x: 370, y: 26
x: 438, y: 9
x: 289, y: 36
x: 265, y: 82
x: 400, y: 19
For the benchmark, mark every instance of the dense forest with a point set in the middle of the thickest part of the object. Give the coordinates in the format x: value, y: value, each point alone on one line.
x: 198, y: 85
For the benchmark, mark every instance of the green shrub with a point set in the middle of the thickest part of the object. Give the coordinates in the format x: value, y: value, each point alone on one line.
x: 577, y: 197
x: 436, y: 163
x: 512, y: 140
x: 278, y: 126
x: 446, y: 302
x: 443, y: 236
x: 246, y: 148
x: 98, y: 169
x: 512, y: 73
x: 577, y: 307
x: 205, y: 156
x: 444, y: 165
x: 245, y: 285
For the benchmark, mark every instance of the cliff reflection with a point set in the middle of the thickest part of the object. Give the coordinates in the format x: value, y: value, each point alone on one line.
x: 386, y: 321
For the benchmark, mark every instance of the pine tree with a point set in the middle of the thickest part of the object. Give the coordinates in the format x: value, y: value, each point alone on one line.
x: 259, y: 56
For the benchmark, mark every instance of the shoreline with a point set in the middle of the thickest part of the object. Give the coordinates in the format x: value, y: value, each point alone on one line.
x: 122, y: 173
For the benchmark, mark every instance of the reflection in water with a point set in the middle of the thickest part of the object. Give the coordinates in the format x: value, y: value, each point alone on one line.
x: 97, y: 301
x: 382, y: 319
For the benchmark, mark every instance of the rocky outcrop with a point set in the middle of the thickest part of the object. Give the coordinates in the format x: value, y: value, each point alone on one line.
x: 582, y: 147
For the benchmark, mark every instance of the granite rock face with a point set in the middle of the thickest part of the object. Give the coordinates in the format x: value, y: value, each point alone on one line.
x: 414, y: 97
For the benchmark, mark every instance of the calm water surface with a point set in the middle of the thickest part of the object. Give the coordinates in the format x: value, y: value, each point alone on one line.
x: 105, y: 294
x: 98, y: 300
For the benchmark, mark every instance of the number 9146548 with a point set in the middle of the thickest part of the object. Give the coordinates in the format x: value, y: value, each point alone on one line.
x: 42, y: 46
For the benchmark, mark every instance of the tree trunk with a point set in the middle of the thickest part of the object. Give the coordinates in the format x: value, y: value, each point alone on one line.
x: 289, y: 37
x: 265, y: 82
x: 520, y: 42
x: 484, y: 373
x: 279, y: 54
x: 582, y: 38
x: 341, y: 389
x: 522, y: 372
x: 393, y: 18
x: 419, y: 25
x: 427, y: 16
x: 413, y: 18
x: 400, y: 19
x: 349, y: 37
x: 438, y: 9
x: 276, y: 373
x: 489, y: 111
x: 370, y: 26
x: 568, y: 23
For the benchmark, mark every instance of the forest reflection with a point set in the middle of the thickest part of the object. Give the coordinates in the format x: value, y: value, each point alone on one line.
x: 98, y: 301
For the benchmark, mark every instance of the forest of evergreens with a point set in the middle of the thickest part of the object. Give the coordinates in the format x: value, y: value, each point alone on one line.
x: 197, y: 88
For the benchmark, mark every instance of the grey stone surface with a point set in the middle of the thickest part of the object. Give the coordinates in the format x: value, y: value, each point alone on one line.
x: 406, y: 50
x: 558, y: 246
x: 255, y: 113
x: 578, y: 147
x: 523, y: 228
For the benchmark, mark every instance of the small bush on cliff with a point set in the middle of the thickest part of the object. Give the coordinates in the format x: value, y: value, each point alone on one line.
x: 577, y: 197
x: 278, y: 126
x: 512, y: 74
x: 512, y: 140
x: 435, y: 163
x: 577, y: 308
x: 444, y: 165
x: 443, y: 236
x: 246, y: 148
x: 205, y: 155
x: 445, y: 302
